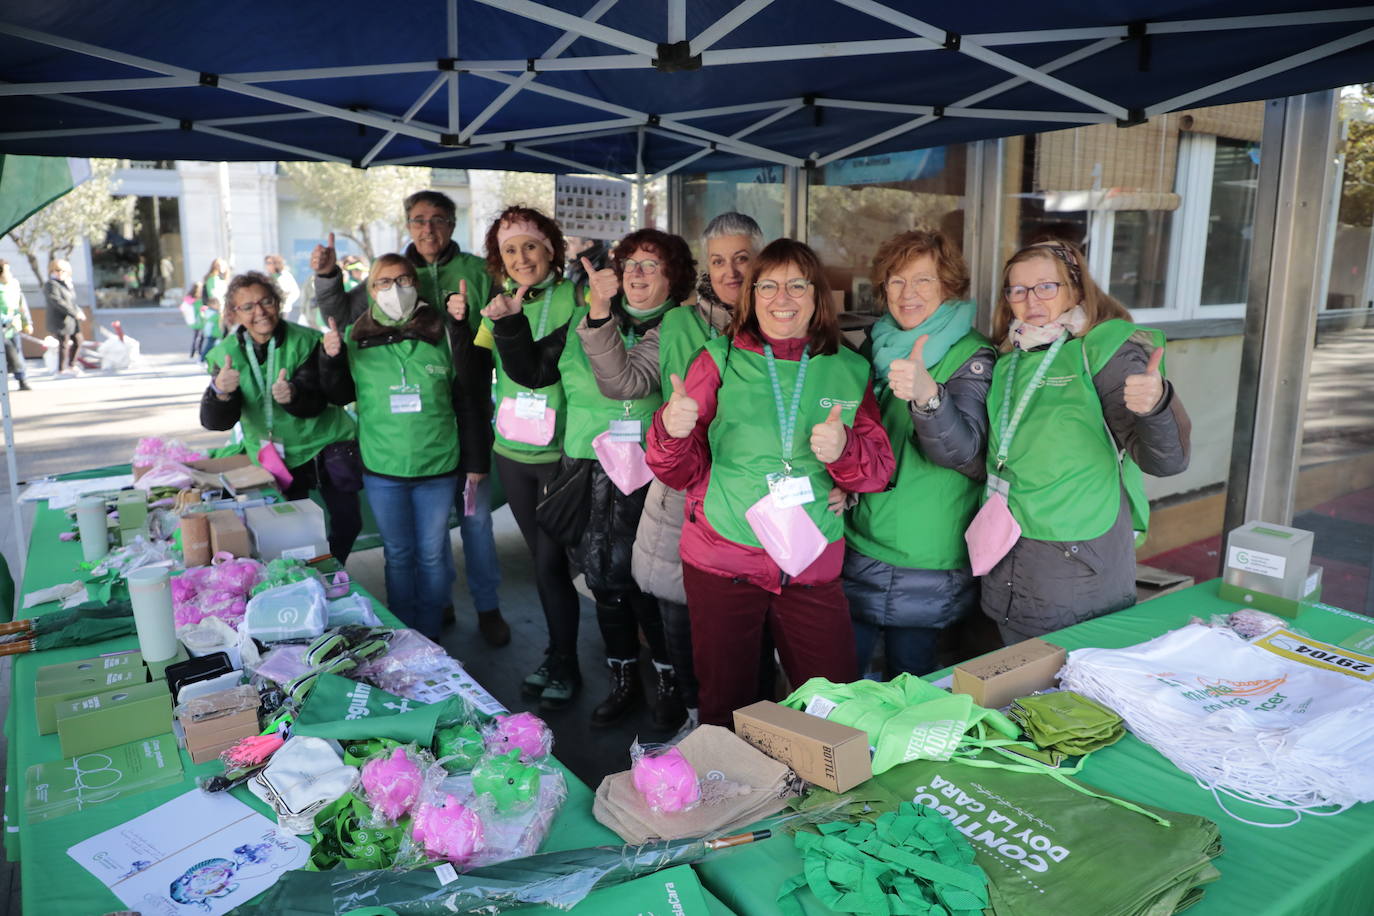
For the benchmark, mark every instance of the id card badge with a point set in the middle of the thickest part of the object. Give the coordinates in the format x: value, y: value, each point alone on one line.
x: 626, y: 430
x: 405, y: 398
x: 790, y: 491
x: 530, y: 405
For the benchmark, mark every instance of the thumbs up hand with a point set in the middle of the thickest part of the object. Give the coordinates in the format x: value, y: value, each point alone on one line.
x: 503, y: 306
x: 909, y: 378
x: 457, y: 303
x: 603, y: 285
x: 324, y: 258
x: 227, y: 378
x: 680, y: 414
x: 828, y: 439
x: 281, y: 389
x: 1143, y: 392
x: 332, y: 344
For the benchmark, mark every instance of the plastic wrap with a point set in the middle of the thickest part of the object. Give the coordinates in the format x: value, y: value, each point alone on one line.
x: 510, y: 785
x: 150, y: 449
x: 283, y: 664
x: 524, y: 732
x: 392, y: 782
x: 294, y: 611
x: 445, y: 828
x: 459, y: 746
x: 408, y: 649
x: 664, y: 778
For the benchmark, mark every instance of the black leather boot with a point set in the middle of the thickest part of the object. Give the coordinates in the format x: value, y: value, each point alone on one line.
x: 668, y: 711
x: 626, y: 692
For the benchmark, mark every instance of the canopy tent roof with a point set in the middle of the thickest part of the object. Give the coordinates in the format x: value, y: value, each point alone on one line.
x: 626, y: 86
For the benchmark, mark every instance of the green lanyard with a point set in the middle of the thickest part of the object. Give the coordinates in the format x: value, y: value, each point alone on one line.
x: 787, y: 422
x: 544, y: 302
x: 268, y: 402
x: 1010, y: 423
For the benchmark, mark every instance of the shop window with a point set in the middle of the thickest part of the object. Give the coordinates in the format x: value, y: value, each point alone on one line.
x: 754, y: 192
x: 140, y: 260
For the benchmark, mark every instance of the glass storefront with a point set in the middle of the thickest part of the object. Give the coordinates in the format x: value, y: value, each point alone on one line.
x: 755, y: 192
x: 140, y: 259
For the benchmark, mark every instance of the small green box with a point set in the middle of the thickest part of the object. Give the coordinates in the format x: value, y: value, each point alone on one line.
x: 114, y: 717
x: 122, y: 661
x: 48, y: 694
x: 133, y: 509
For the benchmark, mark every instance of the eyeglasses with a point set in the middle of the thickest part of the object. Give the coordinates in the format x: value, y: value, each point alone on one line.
x: 268, y: 305
x: 438, y: 222
x: 1043, y: 291
x: 922, y: 285
x: 647, y: 266
x: 796, y: 288
x: 385, y: 283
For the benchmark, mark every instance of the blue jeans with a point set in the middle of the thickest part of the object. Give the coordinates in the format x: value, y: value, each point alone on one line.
x: 907, y: 649
x: 479, y: 547
x: 412, y: 517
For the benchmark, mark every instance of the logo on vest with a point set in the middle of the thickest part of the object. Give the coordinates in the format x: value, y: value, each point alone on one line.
x: 1058, y: 381
x: 432, y: 369
x: 828, y: 403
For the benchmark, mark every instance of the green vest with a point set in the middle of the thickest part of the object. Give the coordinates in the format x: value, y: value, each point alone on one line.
x: 420, y: 444
x: 438, y: 281
x: 919, y: 522
x: 1062, y: 468
x: 589, y: 411
x: 302, y: 437
x: 681, y: 335
x: 560, y: 302
x: 746, y: 441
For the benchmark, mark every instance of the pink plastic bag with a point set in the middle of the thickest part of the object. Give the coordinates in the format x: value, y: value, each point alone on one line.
x: 270, y: 461
x: 519, y: 429
x: 789, y: 535
x: 991, y: 534
x: 623, y: 462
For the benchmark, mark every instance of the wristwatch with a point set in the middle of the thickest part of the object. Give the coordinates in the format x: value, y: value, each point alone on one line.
x: 929, y: 406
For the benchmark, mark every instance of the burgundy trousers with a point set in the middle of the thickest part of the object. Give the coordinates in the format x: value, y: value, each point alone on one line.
x: 809, y: 623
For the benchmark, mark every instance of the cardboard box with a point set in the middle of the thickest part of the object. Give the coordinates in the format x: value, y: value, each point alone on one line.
x: 292, y: 529
x: 48, y: 694
x: 828, y: 754
x: 228, y: 532
x: 995, y: 679
x: 219, y: 732
x: 244, y: 479
x: 206, y: 754
x: 86, y: 666
x: 113, y: 717
x: 133, y: 509
x: 207, y: 470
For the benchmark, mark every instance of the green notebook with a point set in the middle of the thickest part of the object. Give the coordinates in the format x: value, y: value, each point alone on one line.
x: 60, y: 787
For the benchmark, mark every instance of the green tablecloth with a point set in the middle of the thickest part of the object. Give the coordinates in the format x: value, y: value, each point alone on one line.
x: 52, y: 881
x: 1323, y: 866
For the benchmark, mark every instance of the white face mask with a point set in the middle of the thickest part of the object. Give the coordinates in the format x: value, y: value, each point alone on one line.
x: 398, y: 302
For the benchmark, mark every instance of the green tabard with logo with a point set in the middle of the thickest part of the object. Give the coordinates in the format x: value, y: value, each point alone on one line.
x: 589, y: 411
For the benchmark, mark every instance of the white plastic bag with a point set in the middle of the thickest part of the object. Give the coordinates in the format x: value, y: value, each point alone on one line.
x: 296, y: 610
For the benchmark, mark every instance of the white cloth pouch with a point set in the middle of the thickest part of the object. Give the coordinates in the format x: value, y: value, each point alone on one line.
x: 303, y: 776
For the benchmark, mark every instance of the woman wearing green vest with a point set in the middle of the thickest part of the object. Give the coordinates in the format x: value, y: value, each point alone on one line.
x: 418, y: 389
x: 265, y: 377
x: 771, y: 417
x: 525, y: 249
x: 906, y: 568
x: 1078, y: 409
x: 731, y: 242
x: 655, y: 270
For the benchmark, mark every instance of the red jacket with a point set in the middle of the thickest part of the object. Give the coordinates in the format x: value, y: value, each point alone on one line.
x: 865, y: 466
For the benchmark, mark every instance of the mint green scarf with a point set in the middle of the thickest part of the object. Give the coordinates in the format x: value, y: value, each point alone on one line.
x: 950, y: 322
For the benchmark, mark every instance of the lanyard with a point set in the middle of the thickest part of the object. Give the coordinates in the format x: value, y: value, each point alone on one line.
x: 268, y: 402
x: 544, y: 315
x: 1010, y: 423
x: 787, y: 422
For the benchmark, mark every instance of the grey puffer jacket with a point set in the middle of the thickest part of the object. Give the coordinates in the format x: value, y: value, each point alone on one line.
x: 953, y: 435
x: 1042, y: 586
x: 656, y: 561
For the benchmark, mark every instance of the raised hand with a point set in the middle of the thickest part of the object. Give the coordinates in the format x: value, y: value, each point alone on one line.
x: 457, y: 303
x: 1143, y: 392
x: 828, y: 438
x: 323, y: 259
x: 503, y: 306
x: 909, y: 378
x: 604, y: 286
x: 281, y: 389
x: 227, y: 378
x: 680, y: 414
x: 332, y: 344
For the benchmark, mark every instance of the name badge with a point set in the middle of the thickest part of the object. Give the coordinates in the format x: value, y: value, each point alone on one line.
x: 405, y: 399
x: 790, y: 491
x: 626, y: 430
x: 530, y: 405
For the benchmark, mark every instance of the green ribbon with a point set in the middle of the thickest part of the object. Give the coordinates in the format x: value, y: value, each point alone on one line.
x: 341, y: 836
x: 908, y: 861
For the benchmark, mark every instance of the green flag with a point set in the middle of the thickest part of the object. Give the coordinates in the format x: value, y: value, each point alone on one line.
x: 30, y: 183
x: 351, y: 710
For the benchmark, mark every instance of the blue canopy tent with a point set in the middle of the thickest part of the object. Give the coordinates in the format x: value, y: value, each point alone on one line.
x: 640, y: 87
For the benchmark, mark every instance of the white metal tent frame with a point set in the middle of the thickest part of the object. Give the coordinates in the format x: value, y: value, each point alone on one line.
x: 676, y: 51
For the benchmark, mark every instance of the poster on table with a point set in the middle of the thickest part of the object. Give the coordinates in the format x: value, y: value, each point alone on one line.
x: 593, y: 208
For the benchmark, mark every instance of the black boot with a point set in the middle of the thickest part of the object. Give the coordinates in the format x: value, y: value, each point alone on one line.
x: 668, y: 711
x: 626, y: 692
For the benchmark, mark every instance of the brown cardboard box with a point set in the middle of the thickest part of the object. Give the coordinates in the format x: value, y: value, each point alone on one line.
x: 228, y: 532
x: 210, y: 753
x: 218, y: 732
x: 995, y: 679
x: 195, y: 539
x: 207, y: 470
x: 831, y: 755
x: 251, y: 477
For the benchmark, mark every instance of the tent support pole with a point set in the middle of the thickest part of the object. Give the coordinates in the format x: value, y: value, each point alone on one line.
x: 20, y: 554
